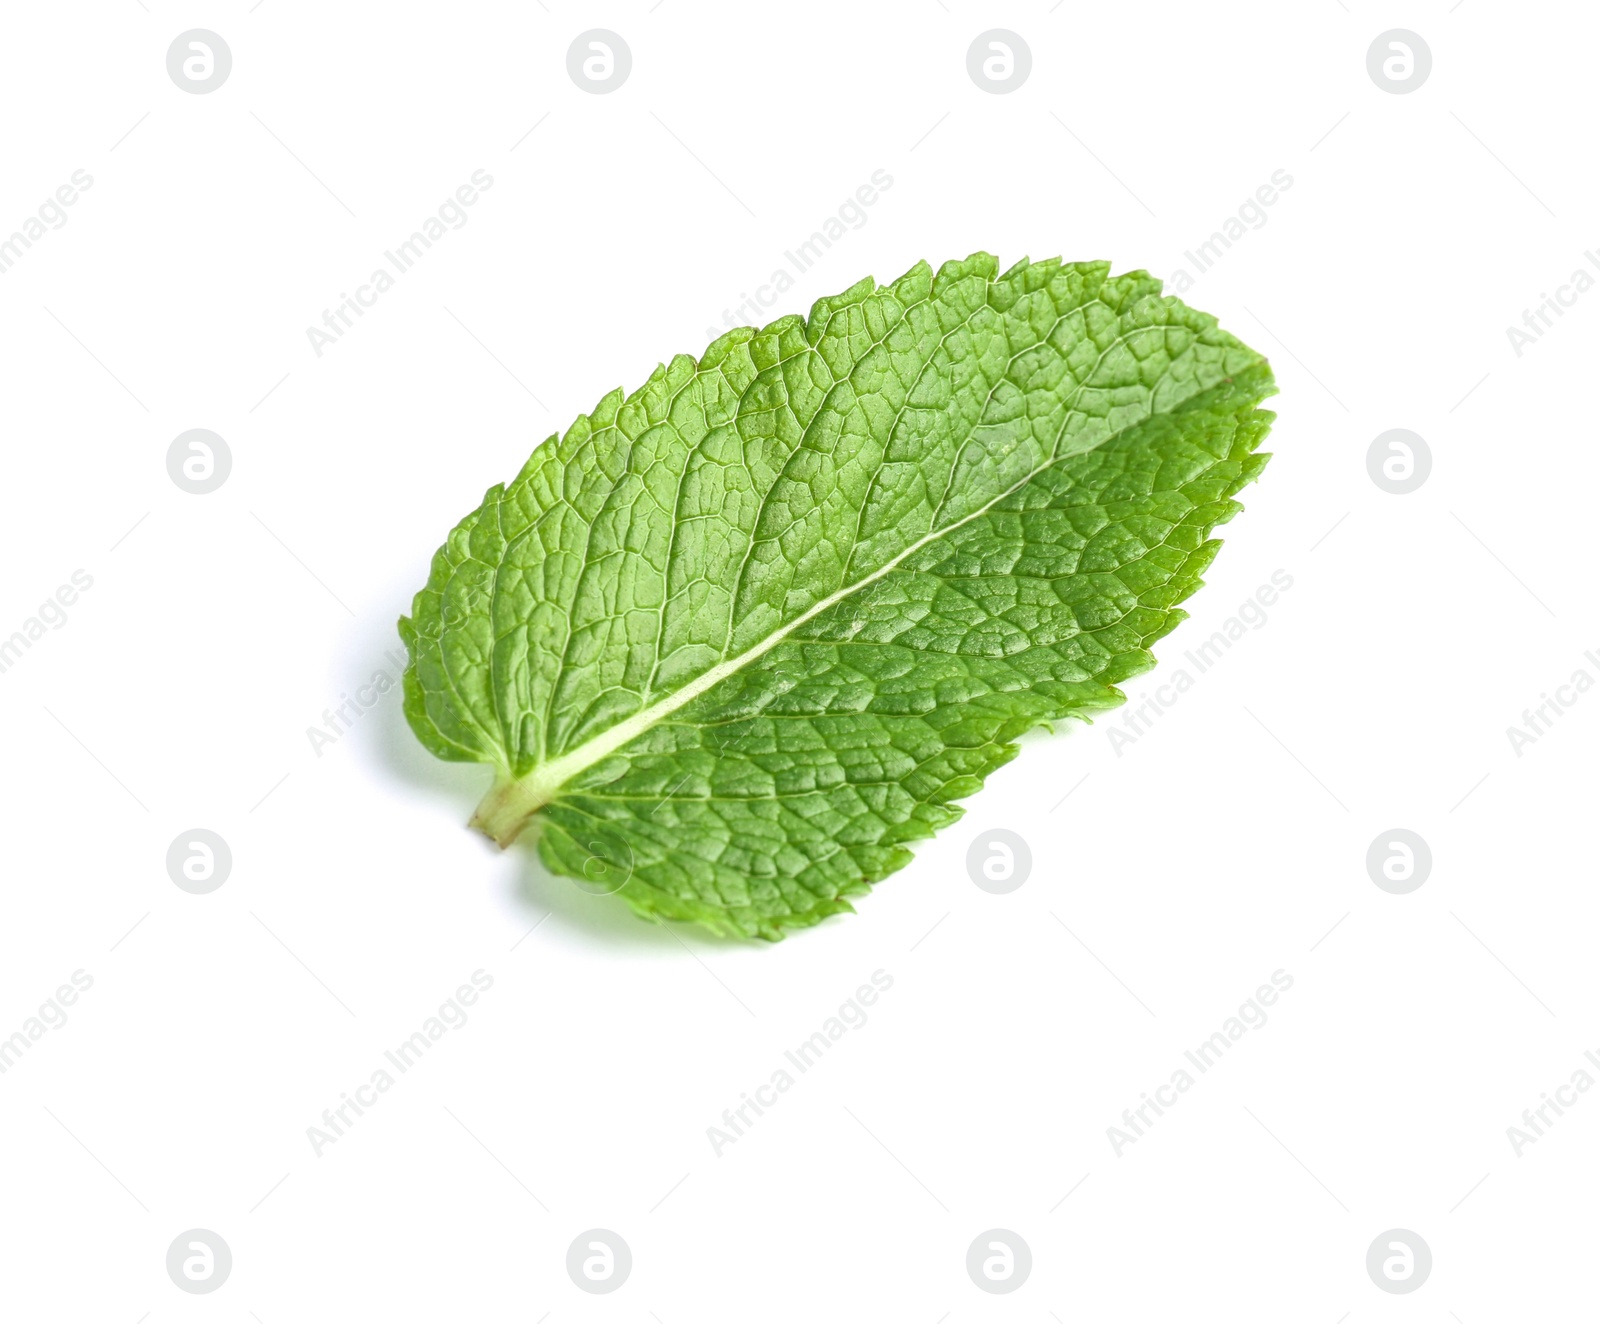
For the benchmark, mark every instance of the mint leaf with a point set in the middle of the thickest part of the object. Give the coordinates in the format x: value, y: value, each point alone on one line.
x: 737, y: 639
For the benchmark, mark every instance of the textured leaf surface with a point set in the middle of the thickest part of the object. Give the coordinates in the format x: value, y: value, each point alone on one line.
x: 737, y: 639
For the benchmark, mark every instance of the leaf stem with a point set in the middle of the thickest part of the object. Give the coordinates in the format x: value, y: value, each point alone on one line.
x: 505, y: 811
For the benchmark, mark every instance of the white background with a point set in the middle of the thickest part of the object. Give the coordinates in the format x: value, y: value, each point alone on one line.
x: 1224, y: 844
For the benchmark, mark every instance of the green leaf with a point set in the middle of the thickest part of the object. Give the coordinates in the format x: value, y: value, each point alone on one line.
x: 736, y: 640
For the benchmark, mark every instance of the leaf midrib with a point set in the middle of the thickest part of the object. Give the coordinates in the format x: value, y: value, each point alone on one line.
x: 934, y: 529
x: 511, y: 802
